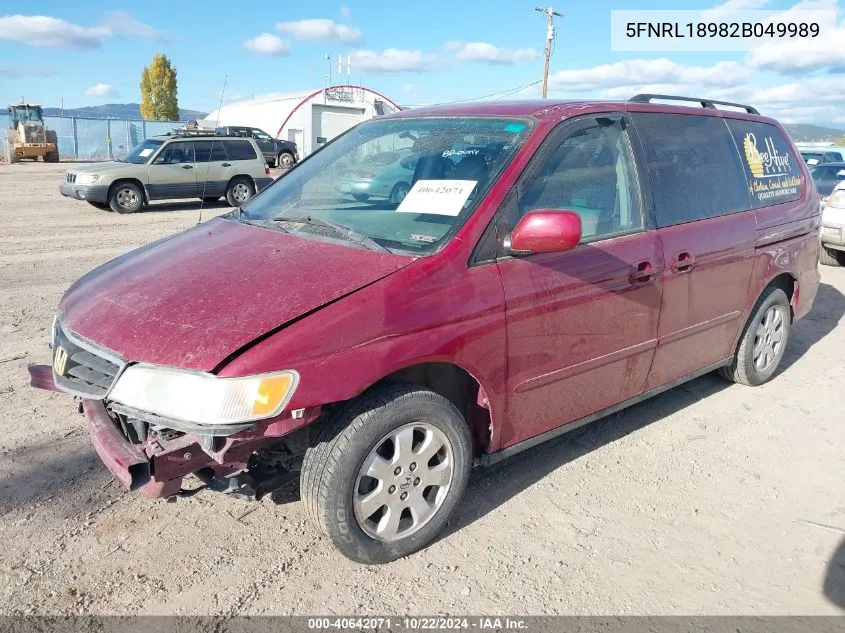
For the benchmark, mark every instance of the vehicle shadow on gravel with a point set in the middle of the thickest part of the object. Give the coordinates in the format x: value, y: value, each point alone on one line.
x: 834, y: 580
x: 53, y: 471
x: 493, y: 486
x: 828, y: 309
x: 184, y: 205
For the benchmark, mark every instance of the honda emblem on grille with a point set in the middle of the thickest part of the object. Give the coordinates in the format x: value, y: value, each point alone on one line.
x: 60, y: 361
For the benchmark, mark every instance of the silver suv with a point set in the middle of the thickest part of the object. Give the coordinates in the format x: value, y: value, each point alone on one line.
x: 174, y: 166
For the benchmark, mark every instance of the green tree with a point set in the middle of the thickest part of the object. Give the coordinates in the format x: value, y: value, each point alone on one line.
x: 158, y: 90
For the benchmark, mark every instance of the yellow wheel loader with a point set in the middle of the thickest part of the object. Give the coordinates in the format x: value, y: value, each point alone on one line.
x: 28, y: 137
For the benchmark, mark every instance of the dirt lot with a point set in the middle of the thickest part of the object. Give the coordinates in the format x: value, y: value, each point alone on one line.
x: 710, y: 499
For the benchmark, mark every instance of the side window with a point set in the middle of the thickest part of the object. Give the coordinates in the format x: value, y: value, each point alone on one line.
x: 772, y: 170
x: 210, y: 151
x: 176, y: 153
x: 693, y: 167
x: 240, y: 150
x: 592, y: 173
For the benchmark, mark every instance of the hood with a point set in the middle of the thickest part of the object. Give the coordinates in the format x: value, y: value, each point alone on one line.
x: 193, y: 299
x: 99, y: 168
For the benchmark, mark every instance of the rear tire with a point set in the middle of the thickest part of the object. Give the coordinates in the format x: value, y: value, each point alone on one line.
x: 399, y: 191
x: 830, y: 256
x: 285, y: 161
x: 240, y: 190
x: 414, y: 482
x: 763, y: 341
x: 126, y: 197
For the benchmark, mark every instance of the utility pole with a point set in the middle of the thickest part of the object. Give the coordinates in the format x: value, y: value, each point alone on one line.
x: 550, y: 36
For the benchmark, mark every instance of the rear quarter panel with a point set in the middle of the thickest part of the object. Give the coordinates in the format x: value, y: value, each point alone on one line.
x: 788, y: 242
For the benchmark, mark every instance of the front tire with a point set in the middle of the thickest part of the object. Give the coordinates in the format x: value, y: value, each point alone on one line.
x: 386, y: 472
x: 830, y: 256
x: 239, y: 191
x: 126, y: 197
x: 763, y: 341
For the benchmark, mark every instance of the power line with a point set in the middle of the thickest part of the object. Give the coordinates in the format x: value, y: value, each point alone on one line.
x: 501, y: 93
x: 550, y: 36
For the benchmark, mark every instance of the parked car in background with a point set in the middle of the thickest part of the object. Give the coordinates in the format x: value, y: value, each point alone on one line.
x: 833, y: 228
x: 277, y: 152
x: 604, y: 253
x: 822, y: 155
x: 827, y: 176
x: 170, y: 167
x: 387, y: 175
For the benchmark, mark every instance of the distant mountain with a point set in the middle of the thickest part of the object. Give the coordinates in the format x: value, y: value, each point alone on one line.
x: 116, y: 111
x: 807, y: 133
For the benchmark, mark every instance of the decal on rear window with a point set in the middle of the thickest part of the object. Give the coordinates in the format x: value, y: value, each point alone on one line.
x: 773, y: 172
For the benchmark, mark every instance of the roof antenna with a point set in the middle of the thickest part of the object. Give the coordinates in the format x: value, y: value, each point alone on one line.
x: 208, y: 162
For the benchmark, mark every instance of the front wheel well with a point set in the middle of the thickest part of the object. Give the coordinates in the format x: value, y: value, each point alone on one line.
x: 134, y: 181
x: 461, y: 389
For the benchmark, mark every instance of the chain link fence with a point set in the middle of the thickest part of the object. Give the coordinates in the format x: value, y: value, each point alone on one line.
x: 99, y: 139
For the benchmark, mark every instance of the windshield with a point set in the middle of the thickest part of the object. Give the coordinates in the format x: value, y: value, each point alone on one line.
x: 141, y: 153
x: 406, y: 184
x: 812, y: 158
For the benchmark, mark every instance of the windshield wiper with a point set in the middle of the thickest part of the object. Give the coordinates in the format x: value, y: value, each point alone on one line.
x: 360, y: 238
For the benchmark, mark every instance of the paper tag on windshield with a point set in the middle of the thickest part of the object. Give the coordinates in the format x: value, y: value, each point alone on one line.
x: 145, y: 152
x: 437, y: 197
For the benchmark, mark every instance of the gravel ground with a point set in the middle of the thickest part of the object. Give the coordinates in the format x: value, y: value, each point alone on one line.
x: 709, y: 499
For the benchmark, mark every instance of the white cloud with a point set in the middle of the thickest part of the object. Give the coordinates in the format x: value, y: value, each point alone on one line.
x: 633, y: 72
x: 325, y: 30
x: 267, y: 44
x: 393, y: 60
x: 732, y: 6
x: 121, y: 23
x: 345, y: 13
x: 7, y: 72
x: 802, y: 55
x: 42, y: 30
x: 101, y: 90
x: 409, y: 88
x: 484, y: 52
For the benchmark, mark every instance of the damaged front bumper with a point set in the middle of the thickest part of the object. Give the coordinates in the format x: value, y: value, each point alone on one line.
x: 156, y: 466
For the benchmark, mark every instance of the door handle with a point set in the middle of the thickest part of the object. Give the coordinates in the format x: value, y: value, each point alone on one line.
x: 684, y: 263
x: 227, y: 165
x: 643, y: 272
x: 187, y: 166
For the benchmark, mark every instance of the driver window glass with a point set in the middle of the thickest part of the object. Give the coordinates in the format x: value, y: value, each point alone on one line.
x: 176, y: 153
x: 591, y: 173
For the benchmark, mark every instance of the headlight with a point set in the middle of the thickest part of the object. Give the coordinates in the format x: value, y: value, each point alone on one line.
x: 87, y: 179
x: 203, y: 398
x: 837, y: 199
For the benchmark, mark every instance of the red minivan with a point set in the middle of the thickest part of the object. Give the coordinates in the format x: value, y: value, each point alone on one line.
x: 521, y: 269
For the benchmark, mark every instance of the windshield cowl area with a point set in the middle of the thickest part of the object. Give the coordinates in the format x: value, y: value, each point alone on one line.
x: 401, y: 185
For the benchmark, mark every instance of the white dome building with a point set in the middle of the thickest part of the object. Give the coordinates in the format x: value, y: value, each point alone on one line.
x: 309, y: 119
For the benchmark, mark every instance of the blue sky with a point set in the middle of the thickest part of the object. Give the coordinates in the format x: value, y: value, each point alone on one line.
x: 93, y: 52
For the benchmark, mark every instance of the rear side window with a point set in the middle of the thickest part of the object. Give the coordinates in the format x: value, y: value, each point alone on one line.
x: 773, y: 171
x: 693, y: 165
x: 240, y: 150
x: 209, y: 151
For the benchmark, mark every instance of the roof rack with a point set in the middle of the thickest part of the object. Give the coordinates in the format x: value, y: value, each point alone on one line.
x: 705, y: 103
x: 192, y: 132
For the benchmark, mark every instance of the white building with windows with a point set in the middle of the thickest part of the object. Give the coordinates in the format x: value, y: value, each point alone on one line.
x: 309, y: 119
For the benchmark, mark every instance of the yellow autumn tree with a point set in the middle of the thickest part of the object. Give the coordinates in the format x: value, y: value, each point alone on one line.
x: 158, y: 90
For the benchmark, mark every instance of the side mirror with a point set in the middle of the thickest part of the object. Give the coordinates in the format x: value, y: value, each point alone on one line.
x: 544, y: 231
